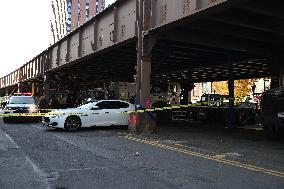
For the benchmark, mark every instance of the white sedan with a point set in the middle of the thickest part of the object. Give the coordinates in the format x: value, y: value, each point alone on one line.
x: 95, y: 113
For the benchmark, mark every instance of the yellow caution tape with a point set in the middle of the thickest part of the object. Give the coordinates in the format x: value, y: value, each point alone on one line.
x: 9, y: 113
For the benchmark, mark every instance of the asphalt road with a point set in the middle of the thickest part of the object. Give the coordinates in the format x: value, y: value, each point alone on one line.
x: 32, y: 156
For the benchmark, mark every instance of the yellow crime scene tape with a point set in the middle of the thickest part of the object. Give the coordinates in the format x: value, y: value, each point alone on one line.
x: 10, y: 113
x: 52, y: 112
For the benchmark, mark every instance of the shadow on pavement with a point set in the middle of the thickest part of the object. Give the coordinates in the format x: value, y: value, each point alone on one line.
x: 83, y: 129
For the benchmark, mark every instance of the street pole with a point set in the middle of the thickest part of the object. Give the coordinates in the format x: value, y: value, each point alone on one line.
x: 139, y: 26
x: 231, y: 91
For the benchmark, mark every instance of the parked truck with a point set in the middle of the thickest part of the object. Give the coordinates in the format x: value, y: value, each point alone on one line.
x: 272, y: 112
x: 214, y: 108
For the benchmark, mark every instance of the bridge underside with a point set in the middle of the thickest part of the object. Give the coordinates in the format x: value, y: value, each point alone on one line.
x: 198, y: 49
x: 114, y: 65
x: 171, y: 62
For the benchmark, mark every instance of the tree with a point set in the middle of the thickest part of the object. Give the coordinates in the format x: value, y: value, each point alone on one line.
x: 243, y: 88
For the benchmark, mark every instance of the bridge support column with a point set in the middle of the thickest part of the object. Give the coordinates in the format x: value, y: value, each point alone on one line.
x: 231, y: 111
x: 46, y: 85
x: 186, y: 87
x: 281, y: 78
x: 144, y: 121
x: 20, y: 87
x: 184, y: 94
x: 145, y: 81
x: 33, y: 88
x: 277, y: 73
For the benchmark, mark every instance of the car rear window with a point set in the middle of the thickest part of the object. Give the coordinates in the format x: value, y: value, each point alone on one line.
x: 21, y: 100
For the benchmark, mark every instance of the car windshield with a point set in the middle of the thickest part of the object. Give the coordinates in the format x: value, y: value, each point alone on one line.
x: 21, y: 100
x: 87, y: 106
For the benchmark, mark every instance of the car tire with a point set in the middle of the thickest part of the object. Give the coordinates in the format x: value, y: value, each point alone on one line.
x: 243, y: 118
x: 72, y: 123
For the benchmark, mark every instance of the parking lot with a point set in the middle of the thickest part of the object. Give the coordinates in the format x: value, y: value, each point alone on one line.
x: 179, y: 156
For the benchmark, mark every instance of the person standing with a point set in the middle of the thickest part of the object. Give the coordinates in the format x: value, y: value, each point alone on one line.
x: 43, y: 104
x: 54, y: 103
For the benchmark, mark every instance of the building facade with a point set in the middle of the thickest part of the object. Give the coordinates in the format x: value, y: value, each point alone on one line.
x: 260, y: 85
x: 67, y: 15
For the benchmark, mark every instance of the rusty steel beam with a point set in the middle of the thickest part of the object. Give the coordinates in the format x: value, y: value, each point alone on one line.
x: 168, y: 14
x: 139, y: 28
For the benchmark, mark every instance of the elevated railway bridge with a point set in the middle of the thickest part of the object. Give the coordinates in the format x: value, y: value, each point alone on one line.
x: 149, y: 41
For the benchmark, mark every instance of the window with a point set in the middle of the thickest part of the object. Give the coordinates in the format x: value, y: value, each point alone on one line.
x: 79, y: 12
x: 124, y: 105
x: 118, y: 105
x: 103, y: 5
x: 68, y: 22
x: 87, y: 9
x: 103, y: 105
x: 21, y: 100
x: 97, y: 7
x: 112, y: 105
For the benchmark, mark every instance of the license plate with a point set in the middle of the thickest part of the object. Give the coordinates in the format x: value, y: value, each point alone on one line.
x: 281, y: 114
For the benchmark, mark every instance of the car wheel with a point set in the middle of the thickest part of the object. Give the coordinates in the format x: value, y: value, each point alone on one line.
x: 243, y: 118
x: 72, y: 123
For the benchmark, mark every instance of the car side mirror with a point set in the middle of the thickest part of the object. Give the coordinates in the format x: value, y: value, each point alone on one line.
x: 95, y: 108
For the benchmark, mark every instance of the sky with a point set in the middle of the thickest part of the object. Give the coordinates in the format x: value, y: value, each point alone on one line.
x: 24, y: 32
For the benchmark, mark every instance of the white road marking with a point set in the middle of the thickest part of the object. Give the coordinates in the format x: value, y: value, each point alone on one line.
x: 12, y: 140
x: 61, y: 138
x: 35, y: 168
x: 40, y: 172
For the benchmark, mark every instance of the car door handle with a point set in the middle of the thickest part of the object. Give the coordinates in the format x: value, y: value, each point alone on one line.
x: 106, y: 112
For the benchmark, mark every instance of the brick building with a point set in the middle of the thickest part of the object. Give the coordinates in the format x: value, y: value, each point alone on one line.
x: 67, y: 15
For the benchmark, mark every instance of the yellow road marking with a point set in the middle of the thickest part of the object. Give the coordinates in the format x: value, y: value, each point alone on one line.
x: 209, y: 157
x: 252, y: 128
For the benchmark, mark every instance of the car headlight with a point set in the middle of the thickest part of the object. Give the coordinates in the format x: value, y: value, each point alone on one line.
x: 33, y: 109
x: 7, y: 108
